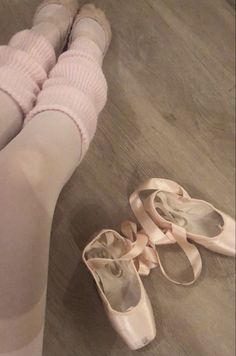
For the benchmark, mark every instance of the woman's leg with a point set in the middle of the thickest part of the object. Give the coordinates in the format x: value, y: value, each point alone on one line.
x: 26, y: 62
x: 33, y: 169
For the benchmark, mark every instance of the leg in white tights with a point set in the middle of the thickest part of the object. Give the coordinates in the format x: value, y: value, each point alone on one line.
x: 11, y: 119
x: 34, y: 168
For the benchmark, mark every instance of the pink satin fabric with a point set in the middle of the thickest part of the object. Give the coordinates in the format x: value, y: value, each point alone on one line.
x: 150, y: 257
x: 136, y: 325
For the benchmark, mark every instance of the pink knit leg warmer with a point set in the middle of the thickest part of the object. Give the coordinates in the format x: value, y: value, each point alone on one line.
x: 24, y: 66
x: 76, y: 87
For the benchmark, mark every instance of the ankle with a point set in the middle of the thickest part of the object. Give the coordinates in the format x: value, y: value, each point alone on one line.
x: 50, y: 31
x: 53, y: 22
x: 92, y: 30
x: 86, y: 48
x: 92, y: 24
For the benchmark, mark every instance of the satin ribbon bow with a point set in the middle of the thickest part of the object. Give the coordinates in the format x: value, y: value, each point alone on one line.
x: 147, y: 259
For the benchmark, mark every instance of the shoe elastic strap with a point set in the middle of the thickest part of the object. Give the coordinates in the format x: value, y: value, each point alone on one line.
x: 190, y: 251
x: 168, y: 213
x: 136, y: 248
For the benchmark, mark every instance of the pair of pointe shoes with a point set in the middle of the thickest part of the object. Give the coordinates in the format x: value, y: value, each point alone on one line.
x: 75, y: 14
x: 168, y: 215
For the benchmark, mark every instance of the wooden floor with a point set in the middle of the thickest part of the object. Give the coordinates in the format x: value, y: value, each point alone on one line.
x: 170, y: 114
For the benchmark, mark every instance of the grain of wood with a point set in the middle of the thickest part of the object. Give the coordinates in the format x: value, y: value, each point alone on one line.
x: 170, y: 114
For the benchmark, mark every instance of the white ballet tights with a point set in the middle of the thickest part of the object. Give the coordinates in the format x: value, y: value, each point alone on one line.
x: 11, y: 119
x: 33, y: 169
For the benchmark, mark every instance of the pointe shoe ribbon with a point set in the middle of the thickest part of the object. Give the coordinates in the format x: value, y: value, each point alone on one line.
x: 150, y: 257
x: 136, y: 248
x: 147, y: 259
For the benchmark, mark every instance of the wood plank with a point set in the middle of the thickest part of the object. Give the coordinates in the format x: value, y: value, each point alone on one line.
x: 170, y: 114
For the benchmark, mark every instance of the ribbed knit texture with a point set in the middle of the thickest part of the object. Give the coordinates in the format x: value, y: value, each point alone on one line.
x: 24, y: 66
x: 77, y: 87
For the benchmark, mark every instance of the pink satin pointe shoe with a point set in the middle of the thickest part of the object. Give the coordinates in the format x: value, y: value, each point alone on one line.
x: 71, y: 5
x: 64, y: 25
x: 169, y: 215
x: 90, y: 11
x: 109, y: 257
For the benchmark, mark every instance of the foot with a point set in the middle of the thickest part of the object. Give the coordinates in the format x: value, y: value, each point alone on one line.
x: 92, y: 23
x: 53, y: 20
